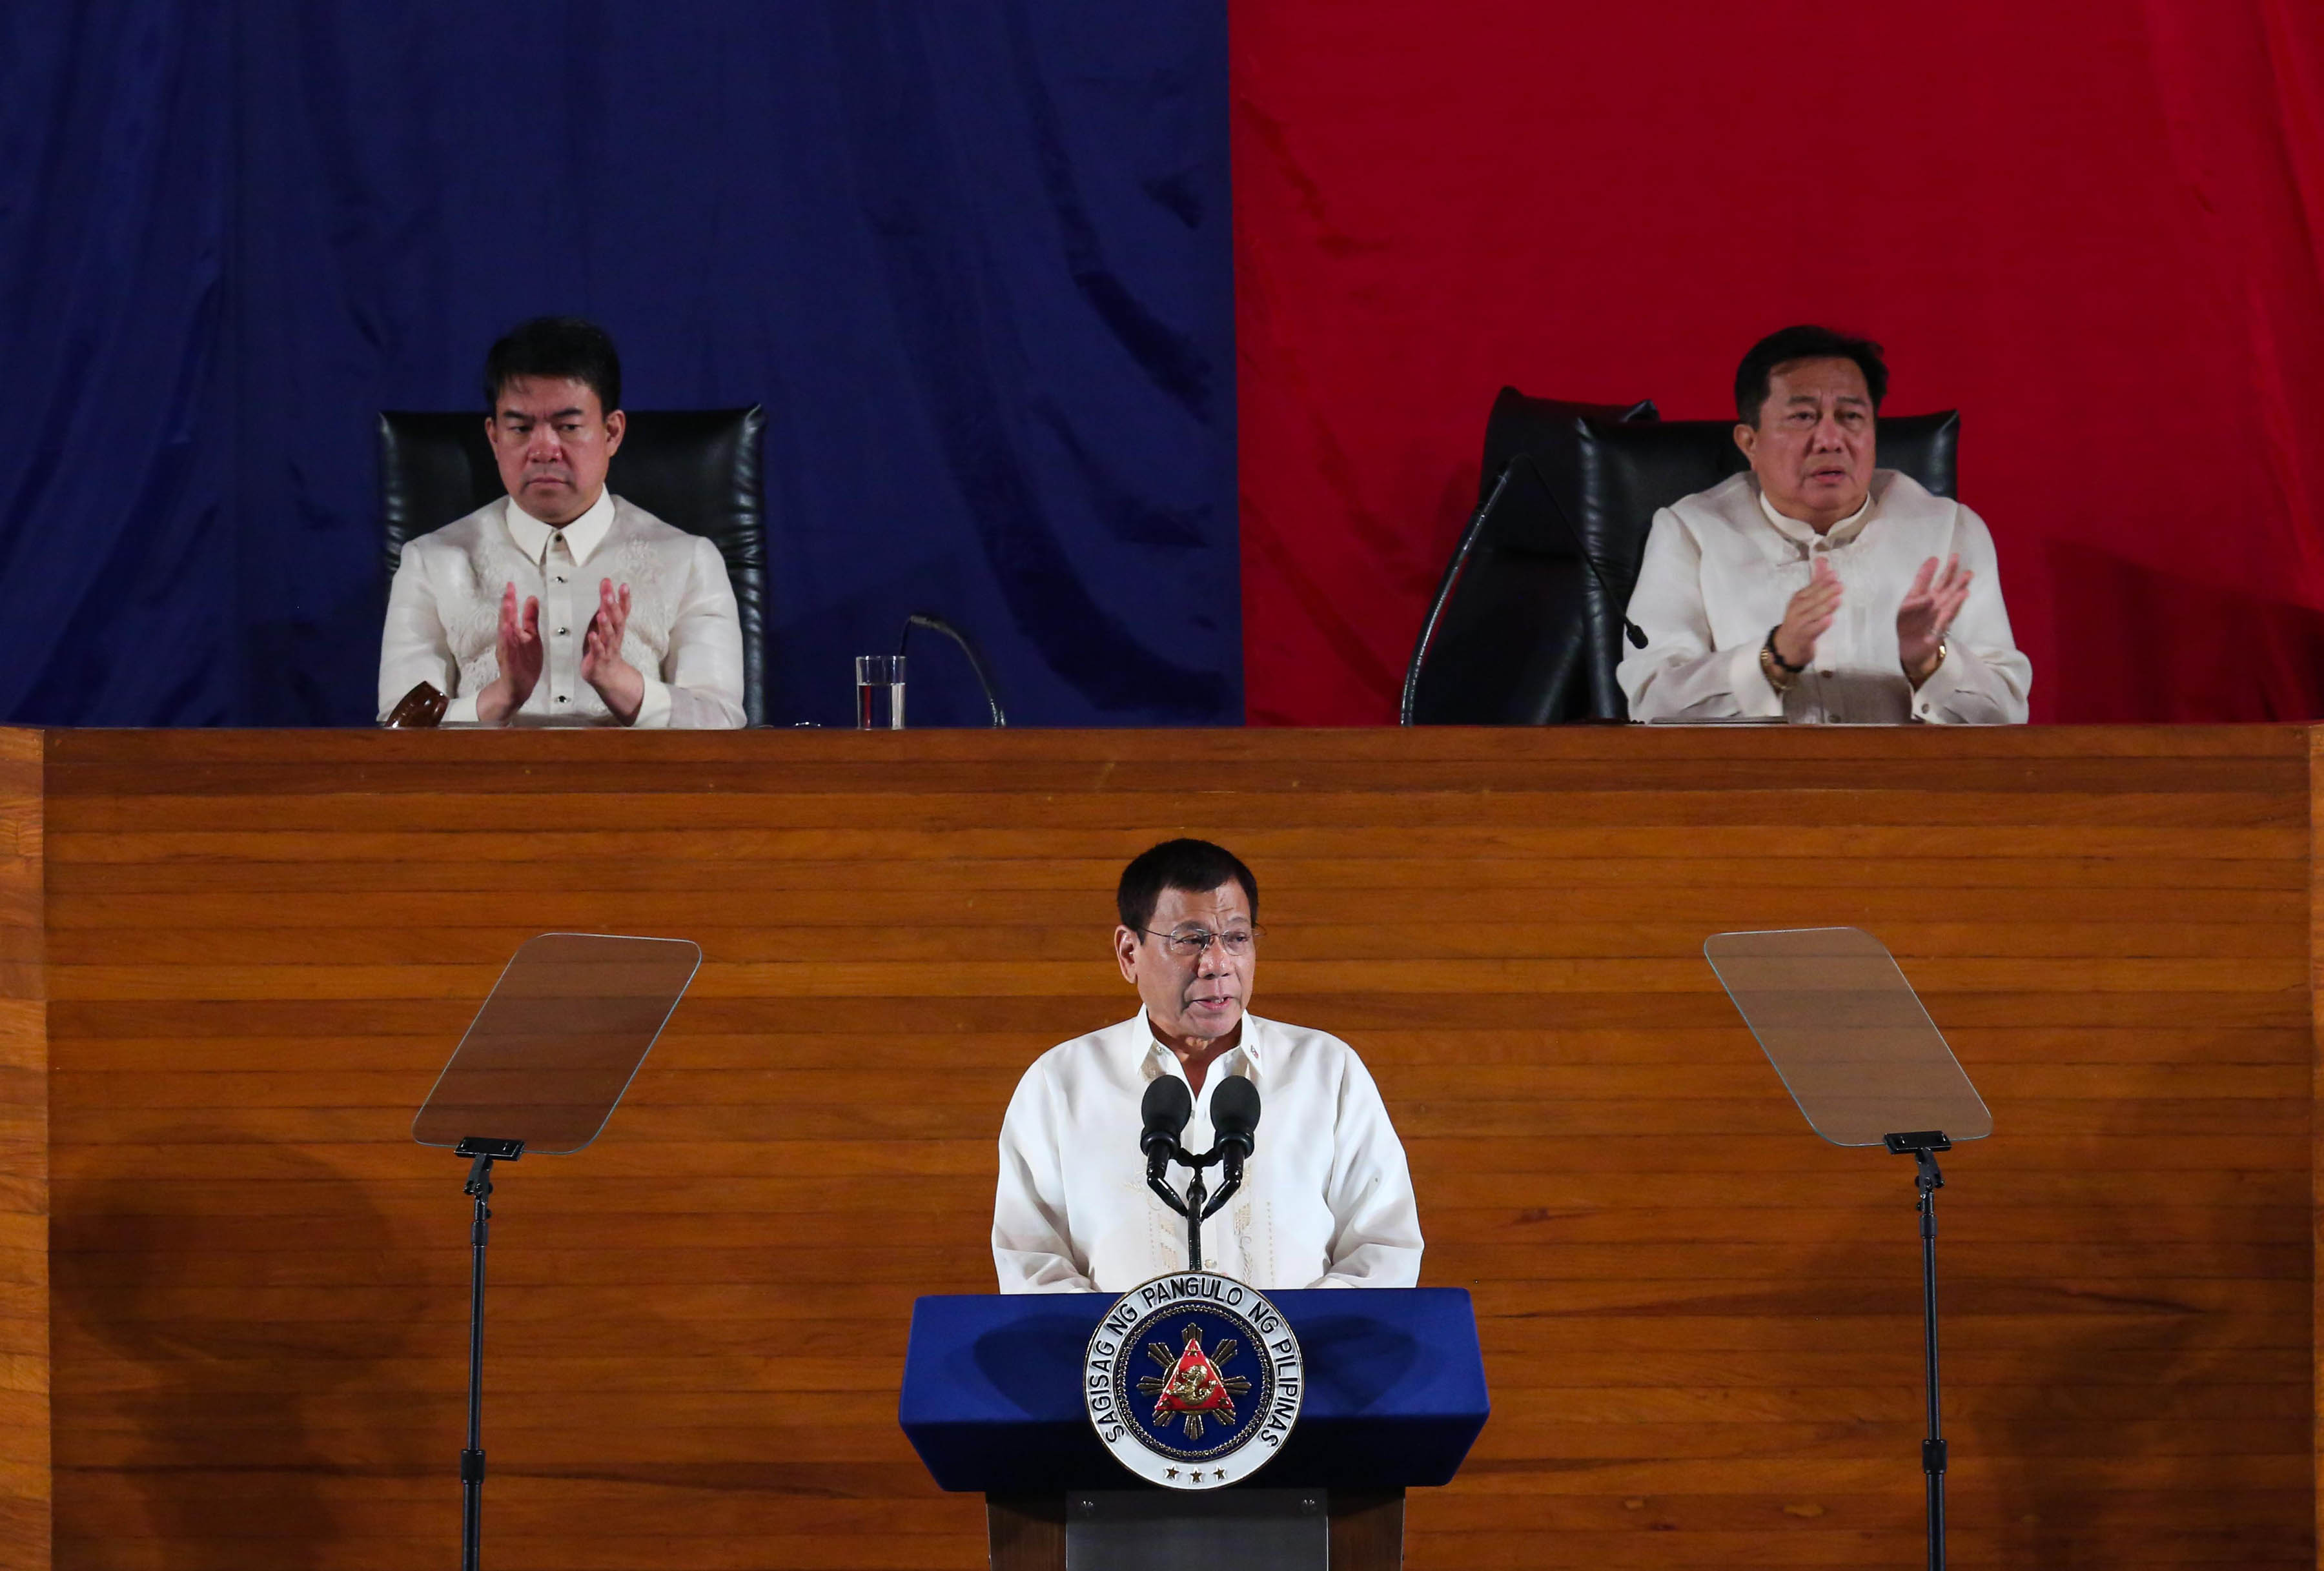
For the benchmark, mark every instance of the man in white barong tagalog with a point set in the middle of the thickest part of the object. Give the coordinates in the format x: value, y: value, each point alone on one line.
x: 561, y: 604
x: 1326, y: 1198
x: 1814, y: 586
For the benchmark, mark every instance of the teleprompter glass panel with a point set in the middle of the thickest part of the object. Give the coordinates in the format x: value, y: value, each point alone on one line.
x: 1847, y: 1034
x: 557, y: 1044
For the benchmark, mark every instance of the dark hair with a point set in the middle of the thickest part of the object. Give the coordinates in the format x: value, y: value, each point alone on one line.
x: 1195, y: 866
x: 1753, y: 377
x: 560, y: 348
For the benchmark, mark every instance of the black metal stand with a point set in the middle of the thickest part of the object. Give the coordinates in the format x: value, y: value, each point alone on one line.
x: 482, y: 1154
x: 1923, y: 1147
x: 1195, y: 1208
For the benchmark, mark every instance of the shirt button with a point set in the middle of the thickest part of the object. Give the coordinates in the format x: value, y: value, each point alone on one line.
x: 560, y: 578
x: 561, y: 698
x: 562, y: 632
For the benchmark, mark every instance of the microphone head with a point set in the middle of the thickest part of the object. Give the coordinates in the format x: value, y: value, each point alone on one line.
x: 1168, y: 1105
x: 1234, y: 1112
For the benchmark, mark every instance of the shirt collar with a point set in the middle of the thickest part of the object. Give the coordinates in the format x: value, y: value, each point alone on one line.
x: 582, y: 536
x: 1840, y: 534
x: 1156, y: 1054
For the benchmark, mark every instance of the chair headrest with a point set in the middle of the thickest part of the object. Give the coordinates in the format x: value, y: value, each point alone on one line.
x: 1544, y: 428
x: 1629, y: 469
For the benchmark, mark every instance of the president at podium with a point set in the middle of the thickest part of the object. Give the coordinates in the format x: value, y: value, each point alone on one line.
x: 1326, y: 1198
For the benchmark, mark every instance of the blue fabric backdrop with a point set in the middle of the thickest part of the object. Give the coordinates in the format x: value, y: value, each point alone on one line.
x: 974, y: 259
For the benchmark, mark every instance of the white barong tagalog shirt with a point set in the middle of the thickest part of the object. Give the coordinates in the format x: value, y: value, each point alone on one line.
x: 1326, y: 1198
x: 683, y: 636
x: 1720, y: 567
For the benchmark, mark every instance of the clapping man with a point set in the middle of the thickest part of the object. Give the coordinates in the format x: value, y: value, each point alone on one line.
x: 1814, y: 586
x: 561, y: 604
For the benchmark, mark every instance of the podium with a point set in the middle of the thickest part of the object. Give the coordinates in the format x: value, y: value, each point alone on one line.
x: 1396, y: 1395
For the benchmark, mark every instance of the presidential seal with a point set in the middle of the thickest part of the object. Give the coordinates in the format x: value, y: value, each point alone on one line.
x: 1192, y: 1381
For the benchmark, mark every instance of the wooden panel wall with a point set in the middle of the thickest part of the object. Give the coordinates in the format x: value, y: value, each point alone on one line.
x: 1700, y: 1323
x: 24, y: 1164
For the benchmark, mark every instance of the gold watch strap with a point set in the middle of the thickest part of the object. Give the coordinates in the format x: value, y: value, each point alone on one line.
x: 1778, y: 678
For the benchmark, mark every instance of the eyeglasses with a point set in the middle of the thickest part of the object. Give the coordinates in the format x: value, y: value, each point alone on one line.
x: 1185, y: 942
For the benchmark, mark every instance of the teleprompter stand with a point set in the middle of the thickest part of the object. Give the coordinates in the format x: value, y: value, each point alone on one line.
x: 1851, y: 1040
x: 541, y: 1068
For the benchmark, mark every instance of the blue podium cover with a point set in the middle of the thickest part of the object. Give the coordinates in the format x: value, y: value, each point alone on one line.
x: 1394, y: 1397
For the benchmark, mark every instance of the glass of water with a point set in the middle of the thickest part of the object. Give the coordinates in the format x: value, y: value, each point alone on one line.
x: 879, y: 692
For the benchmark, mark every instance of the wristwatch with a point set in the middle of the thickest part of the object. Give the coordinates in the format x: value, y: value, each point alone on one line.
x: 1780, y: 672
x: 1943, y: 649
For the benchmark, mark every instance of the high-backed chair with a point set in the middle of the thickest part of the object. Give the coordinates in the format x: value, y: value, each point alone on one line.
x: 1621, y: 472
x: 1503, y: 642
x: 697, y: 469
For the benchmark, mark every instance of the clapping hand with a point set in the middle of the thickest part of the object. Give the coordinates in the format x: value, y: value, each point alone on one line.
x: 1808, y: 616
x: 1928, y: 609
x: 518, y: 648
x: 617, y: 681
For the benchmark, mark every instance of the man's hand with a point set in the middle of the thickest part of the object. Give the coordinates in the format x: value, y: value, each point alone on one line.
x: 1808, y: 616
x: 519, y: 652
x: 1928, y: 610
x: 617, y: 681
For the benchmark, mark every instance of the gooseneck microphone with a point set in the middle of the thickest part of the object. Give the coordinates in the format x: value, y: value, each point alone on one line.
x: 1234, y: 1116
x: 1168, y: 1105
x: 1235, y: 1120
x: 1630, y: 629
x: 937, y: 624
x: 1473, y: 533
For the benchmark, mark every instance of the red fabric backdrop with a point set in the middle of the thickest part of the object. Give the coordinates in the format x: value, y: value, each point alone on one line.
x: 2095, y: 228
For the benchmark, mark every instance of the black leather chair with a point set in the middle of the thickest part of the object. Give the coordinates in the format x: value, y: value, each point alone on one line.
x: 1503, y: 643
x: 698, y: 469
x: 1623, y: 469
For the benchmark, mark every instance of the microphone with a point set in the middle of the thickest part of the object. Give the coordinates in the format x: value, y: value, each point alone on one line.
x: 1635, y: 634
x: 936, y: 624
x: 1234, y: 1116
x: 1168, y: 1105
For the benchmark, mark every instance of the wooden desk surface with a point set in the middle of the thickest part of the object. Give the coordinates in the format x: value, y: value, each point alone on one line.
x: 246, y: 955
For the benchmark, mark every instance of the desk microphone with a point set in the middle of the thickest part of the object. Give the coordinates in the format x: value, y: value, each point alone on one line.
x: 936, y: 624
x: 1234, y: 1115
x: 1630, y: 629
x: 1234, y: 1119
x: 1168, y: 1105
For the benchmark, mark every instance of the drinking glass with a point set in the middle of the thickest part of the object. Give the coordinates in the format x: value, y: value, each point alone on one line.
x: 879, y: 691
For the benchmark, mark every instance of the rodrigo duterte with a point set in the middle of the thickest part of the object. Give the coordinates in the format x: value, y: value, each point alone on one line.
x: 1326, y: 1198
